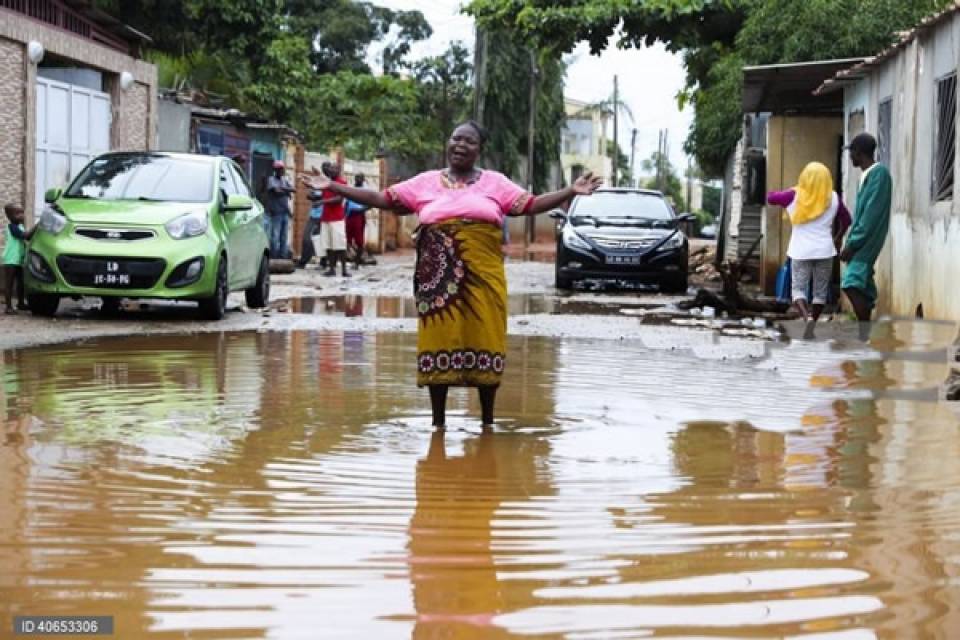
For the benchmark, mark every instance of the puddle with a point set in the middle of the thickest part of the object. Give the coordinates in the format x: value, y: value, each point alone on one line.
x: 272, y: 484
x: 353, y: 306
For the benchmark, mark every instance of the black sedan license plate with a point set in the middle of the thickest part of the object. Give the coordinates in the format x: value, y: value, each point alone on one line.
x: 111, y: 274
x: 623, y: 259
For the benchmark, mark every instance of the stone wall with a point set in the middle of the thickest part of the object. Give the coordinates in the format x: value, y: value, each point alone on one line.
x: 12, y: 121
x: 132, y: 111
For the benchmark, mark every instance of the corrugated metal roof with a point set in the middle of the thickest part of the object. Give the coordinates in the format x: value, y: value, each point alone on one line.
x: 780, y: 88
x: 857, y: 72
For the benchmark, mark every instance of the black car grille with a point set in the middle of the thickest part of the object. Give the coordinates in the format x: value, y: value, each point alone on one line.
x: 110, y: 272
x: 114, y: 234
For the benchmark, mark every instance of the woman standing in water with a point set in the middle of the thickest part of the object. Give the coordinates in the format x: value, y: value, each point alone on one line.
x: 460, y: 285
x: 819, y: 220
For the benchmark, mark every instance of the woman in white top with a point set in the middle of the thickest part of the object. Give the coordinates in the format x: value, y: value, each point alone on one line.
x: 819, y: 220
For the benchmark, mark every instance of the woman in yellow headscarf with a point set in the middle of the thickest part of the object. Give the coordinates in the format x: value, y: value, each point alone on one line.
x: 819, y: 219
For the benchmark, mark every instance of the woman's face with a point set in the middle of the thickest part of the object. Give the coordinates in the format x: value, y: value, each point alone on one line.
x: 463, y: 148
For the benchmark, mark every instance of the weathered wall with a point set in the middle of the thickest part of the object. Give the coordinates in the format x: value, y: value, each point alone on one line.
x: 173, y: 126
x: 12, y: 117
x: 792, y: 142
x: 920, y: 264
x: 139, y: 103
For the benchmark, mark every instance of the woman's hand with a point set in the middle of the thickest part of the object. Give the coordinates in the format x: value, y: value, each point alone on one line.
x: 316, y: 182
x: 587, y: 184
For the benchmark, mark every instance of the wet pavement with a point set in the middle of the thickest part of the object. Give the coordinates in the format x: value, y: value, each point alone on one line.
x: 287, y: 484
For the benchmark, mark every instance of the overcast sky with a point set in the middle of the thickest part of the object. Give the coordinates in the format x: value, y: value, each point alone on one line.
x: 649, y: 78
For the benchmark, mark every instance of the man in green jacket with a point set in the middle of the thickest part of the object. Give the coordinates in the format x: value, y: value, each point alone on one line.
x: 871, y: 223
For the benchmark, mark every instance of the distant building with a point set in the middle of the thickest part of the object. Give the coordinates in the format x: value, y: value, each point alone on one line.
x: 585, y: 140
x: 906, y: 96
x: 72, y: 86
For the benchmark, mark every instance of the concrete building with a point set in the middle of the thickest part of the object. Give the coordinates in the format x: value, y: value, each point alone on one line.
x: 72, y: 86
x: 584, y: 143
x: 906, y: 96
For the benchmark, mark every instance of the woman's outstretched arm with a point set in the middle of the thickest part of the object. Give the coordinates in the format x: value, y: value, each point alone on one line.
x: 375, y: 199
x: 584, y: 186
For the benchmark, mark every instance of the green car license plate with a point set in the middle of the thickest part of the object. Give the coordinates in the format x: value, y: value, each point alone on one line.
x: 111, y: 274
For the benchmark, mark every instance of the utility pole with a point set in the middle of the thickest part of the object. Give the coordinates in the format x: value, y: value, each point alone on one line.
x: 689, y: 182
x: 528, y: 235
x: 633, y: 154
x: 480, y: 74
x: 616, y: 124
x: 658, y: 164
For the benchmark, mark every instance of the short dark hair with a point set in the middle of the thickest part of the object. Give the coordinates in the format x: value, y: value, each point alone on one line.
x: 863, y: 143
x: 482, y: 132
x: 10, y: 207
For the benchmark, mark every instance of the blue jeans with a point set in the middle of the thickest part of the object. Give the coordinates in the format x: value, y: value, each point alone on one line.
x: 276, y: 228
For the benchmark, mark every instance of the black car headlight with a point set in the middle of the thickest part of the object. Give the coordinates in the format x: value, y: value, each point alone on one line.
x: 573, y: 240
x: 673, y: 242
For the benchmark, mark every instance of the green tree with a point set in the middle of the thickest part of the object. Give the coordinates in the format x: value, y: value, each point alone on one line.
x: 664, y: 179
x: 717, y: 38
x: 444, y: 92
x: 712, y: 200
x: 343, y: 30
x: 364, y: 113
x: 623, y: 166
x: 505, y: 91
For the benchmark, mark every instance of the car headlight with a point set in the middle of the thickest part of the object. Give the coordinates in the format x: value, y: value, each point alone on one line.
x: 188, y: 225
x: 675, y: 241
x: 572, y: 239
x: 51, y: 221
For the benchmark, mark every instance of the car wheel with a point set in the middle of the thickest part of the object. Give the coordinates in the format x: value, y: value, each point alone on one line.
x: 109, y: 306
x: 43, y: 304
x: 675, y: 284
x: 258, y: 296
x: 214, y: 307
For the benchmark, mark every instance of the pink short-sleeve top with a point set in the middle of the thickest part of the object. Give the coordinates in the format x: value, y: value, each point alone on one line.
x: 435, y: 198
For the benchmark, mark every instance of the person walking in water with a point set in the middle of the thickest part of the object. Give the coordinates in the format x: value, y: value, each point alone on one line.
x: 819, y: 219
x: 871, y: 224
x: 459, y: 282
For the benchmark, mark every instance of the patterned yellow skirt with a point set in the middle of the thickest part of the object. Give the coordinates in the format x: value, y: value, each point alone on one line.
x: 461, y: 294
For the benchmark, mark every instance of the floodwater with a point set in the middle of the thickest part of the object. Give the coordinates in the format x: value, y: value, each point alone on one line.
x: 355, y: 306
x: 288, y: 485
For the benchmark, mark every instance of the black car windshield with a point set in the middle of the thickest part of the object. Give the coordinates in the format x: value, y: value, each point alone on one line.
x: 622, y: 205
x: 152, y: 177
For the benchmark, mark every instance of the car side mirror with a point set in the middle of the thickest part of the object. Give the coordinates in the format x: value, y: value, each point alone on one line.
x: 237, y: 202
x: 558, y: 214
x: 52, y: 195
x: 687, y: 217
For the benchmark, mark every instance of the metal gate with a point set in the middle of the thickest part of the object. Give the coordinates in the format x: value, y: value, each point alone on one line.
x: 73, y: 125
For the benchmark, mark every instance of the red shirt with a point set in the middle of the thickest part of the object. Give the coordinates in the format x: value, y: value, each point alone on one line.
x: 333, y: 212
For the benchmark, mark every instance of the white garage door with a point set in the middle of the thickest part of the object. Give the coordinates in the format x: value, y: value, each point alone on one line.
x: 73, y: 125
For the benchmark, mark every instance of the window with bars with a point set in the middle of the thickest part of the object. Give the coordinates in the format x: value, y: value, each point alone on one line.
x: 884, y: 131
x: 945, y: 136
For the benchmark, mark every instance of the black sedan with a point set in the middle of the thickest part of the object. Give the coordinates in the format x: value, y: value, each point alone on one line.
x: 629, y: 235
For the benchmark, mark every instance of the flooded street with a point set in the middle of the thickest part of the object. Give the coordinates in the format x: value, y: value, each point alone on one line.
x: 289, y: 485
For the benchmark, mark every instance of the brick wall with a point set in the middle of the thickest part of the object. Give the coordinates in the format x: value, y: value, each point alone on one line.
x: 12, y: 121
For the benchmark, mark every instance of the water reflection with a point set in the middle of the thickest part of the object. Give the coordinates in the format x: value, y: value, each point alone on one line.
x: 285, y: 485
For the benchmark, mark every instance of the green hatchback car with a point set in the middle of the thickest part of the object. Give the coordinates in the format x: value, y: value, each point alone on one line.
x: 150, y: 225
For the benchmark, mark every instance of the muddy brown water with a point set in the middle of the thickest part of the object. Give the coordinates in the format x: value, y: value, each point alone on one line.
x: 288, y: 485
x: 355, y: 306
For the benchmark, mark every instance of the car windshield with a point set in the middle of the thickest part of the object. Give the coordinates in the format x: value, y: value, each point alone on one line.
x: 150, y: 177
x: 622, y: 205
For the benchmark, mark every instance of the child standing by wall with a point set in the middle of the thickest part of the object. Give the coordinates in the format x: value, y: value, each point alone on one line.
x: 14, y: 252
